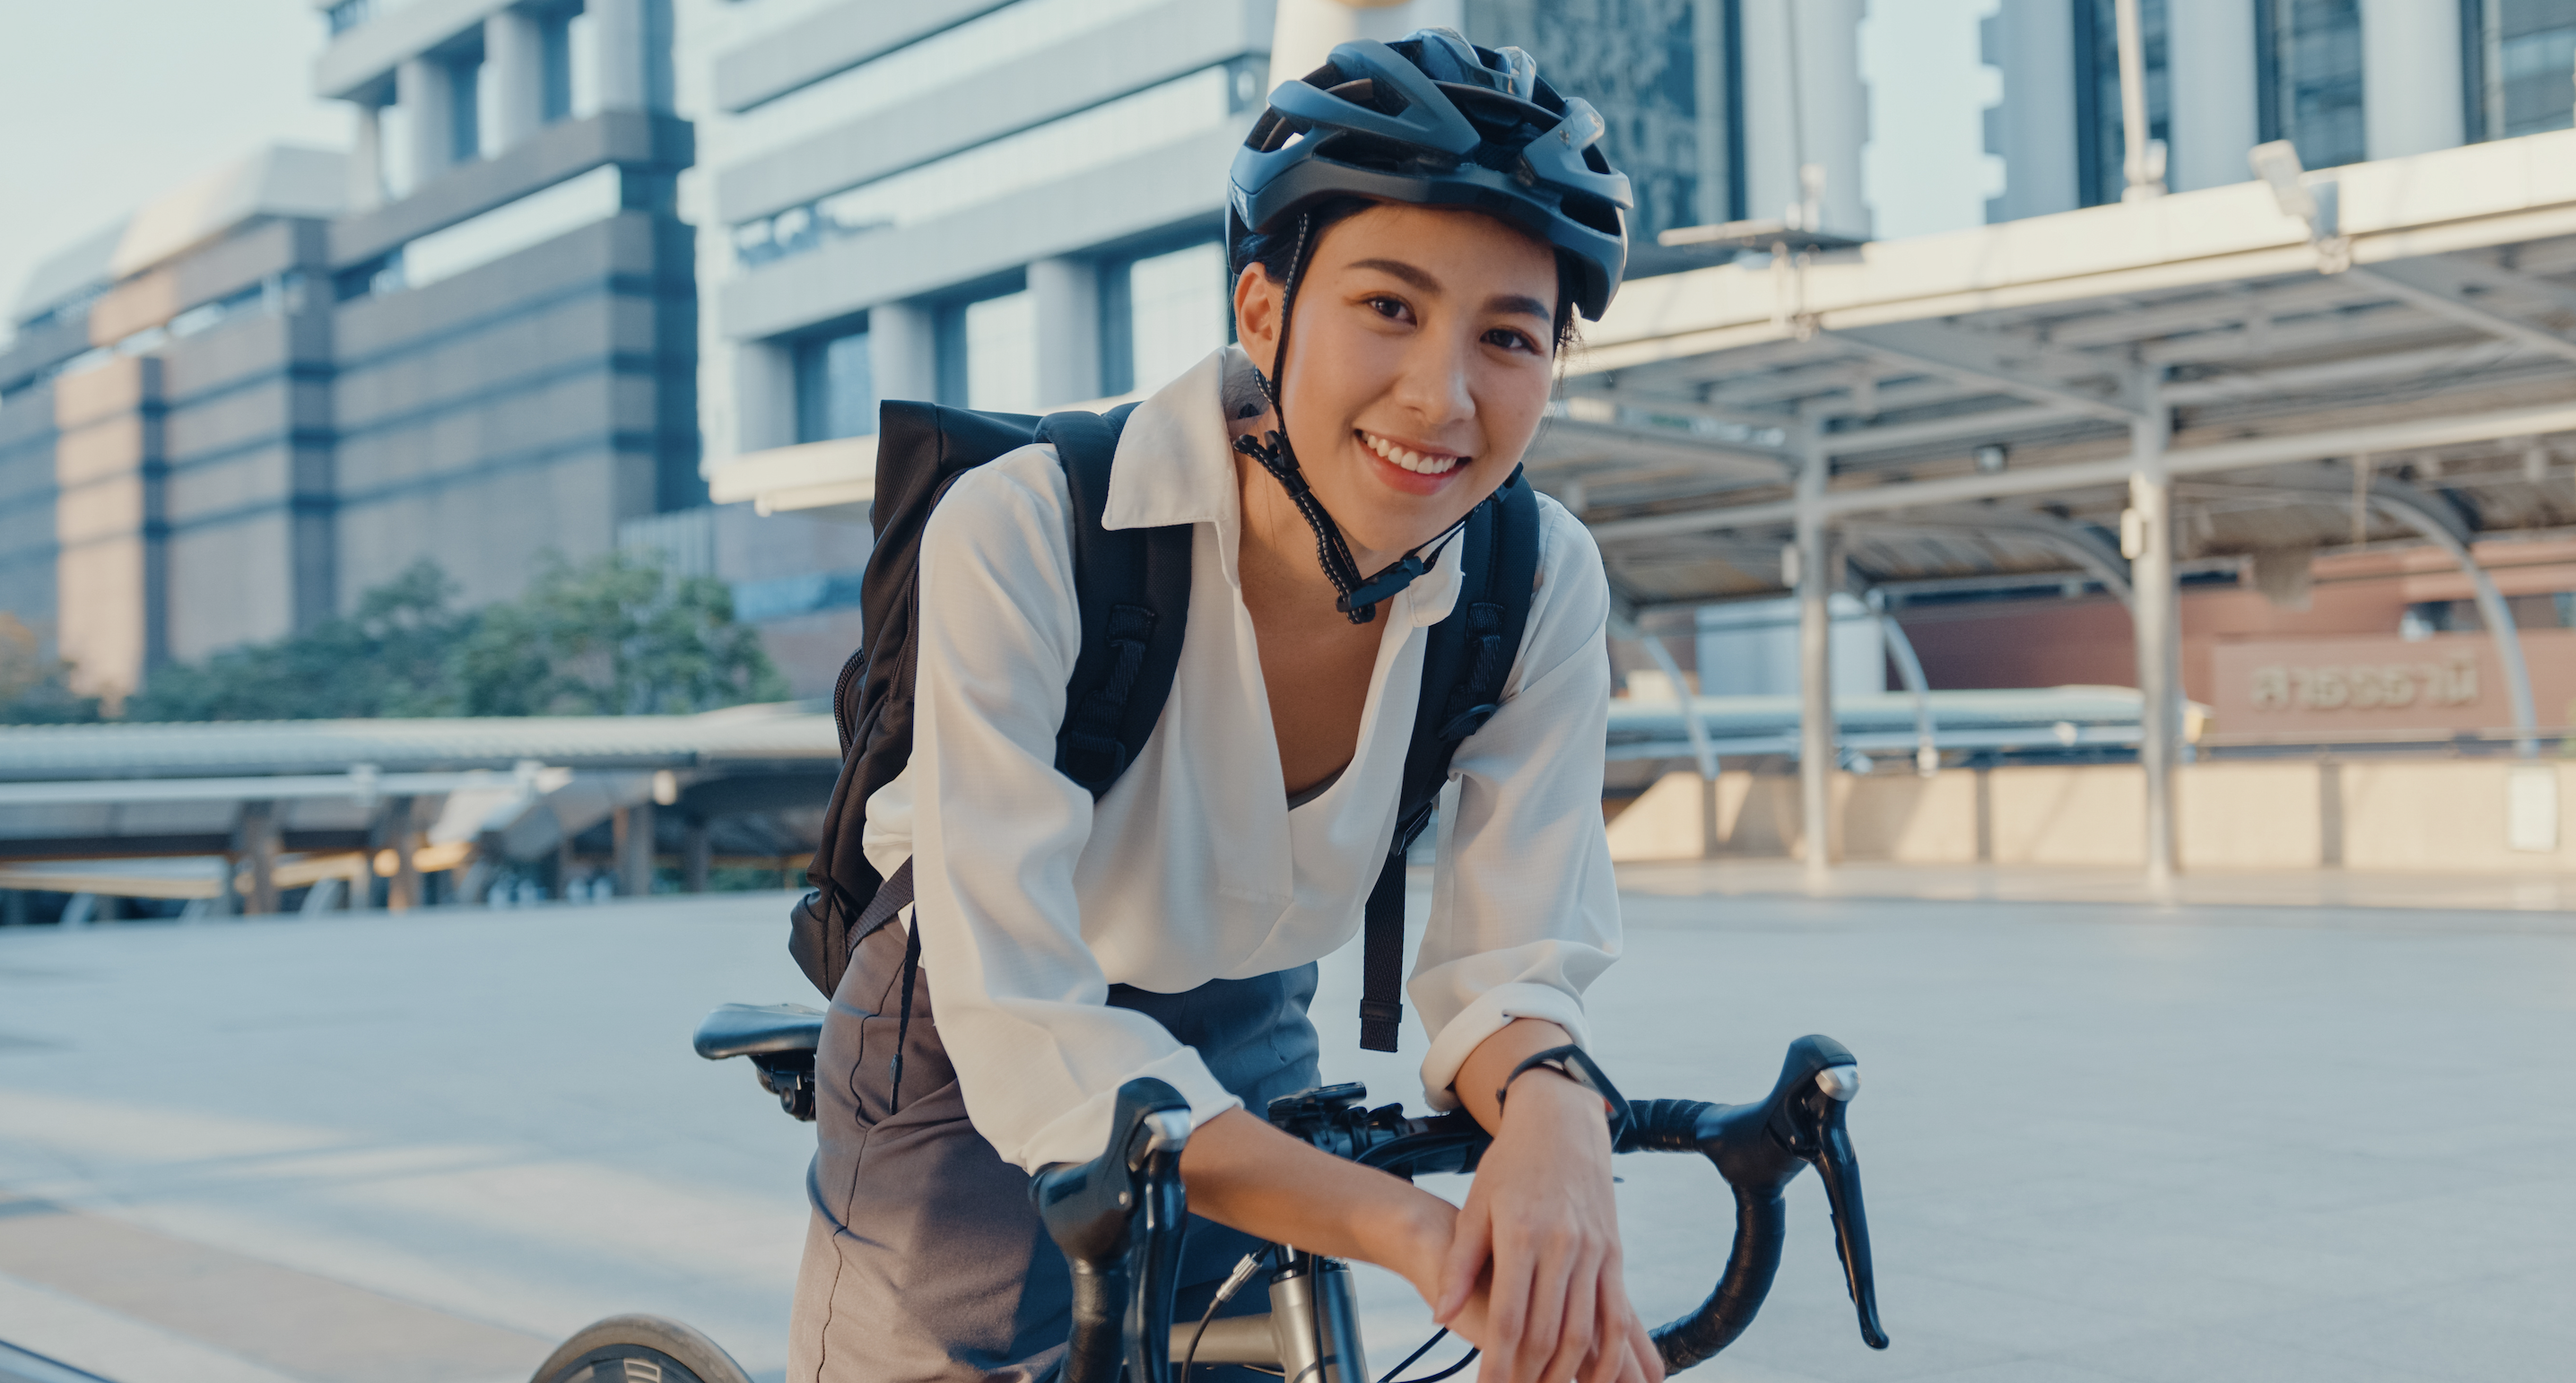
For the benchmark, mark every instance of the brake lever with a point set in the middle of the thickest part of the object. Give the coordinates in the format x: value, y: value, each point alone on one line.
x: 1154, y: 1156
x: 1817, y: 1133
x: 1123, y: 1264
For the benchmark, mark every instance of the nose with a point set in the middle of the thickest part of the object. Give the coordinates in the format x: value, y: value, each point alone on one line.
x: 1434, y: 383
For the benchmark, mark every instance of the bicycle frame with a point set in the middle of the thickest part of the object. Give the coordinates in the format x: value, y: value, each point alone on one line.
x: 1311, y: 1333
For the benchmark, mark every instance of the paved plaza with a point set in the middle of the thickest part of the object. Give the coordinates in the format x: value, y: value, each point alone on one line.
x: 2102, y: 1140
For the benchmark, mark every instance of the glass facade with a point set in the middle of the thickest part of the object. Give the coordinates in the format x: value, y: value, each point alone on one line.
x: 2101, y: 139
x: 1648, y: 66
x: 2308, y: 60
x: 2522, y: 60
x: 1163, y: 313
x: 1000, y: 340
x: 836, y: 392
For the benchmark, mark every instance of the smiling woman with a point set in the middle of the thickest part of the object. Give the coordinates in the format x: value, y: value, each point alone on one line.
x: 1413, y: 229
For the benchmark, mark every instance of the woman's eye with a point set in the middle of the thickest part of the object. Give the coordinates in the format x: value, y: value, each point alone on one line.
x: 1510, y: 340
x: 1392, y: 308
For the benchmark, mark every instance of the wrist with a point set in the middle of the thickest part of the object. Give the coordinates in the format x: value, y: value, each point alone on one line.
x: 1547, y: 1093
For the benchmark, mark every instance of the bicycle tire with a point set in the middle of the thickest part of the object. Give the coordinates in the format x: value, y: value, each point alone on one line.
x: 639, y: 1349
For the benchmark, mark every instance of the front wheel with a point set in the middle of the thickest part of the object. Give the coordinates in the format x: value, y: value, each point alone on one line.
x: 639, y: 1349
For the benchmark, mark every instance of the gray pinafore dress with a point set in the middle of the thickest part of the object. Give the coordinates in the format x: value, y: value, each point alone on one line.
x: 924, y: 1259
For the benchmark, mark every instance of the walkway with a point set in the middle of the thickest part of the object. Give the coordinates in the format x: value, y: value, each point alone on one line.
x: 2102, y: 1140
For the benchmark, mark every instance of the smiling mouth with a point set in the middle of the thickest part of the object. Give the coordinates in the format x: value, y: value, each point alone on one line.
x: 1407, y: 458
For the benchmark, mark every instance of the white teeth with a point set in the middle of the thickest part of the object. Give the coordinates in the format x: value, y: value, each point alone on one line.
x: 1410, y: 459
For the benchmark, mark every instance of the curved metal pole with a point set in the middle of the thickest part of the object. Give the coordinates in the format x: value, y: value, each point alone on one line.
x: 1909, y: 669
x: 2492, y: 610
x: 1692, y: 725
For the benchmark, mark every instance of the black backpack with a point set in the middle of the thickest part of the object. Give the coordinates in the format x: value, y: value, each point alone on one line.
x: 1133, y: 587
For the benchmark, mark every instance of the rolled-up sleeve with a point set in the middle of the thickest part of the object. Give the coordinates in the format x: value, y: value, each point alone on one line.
x: 997, y: 832
x: 1524, y: 907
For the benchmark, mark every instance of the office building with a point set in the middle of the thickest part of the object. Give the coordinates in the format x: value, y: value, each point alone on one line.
x: 2343, y: 80
x: 472, y: 339
x: 1021, y: 206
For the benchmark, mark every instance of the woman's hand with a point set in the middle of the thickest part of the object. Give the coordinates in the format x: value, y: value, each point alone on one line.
x: 1535, y: 1251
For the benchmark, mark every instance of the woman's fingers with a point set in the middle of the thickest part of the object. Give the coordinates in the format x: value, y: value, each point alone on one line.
x: 1579, y: 1325
x: 1508, y: 1312
x: 1471, y: 1242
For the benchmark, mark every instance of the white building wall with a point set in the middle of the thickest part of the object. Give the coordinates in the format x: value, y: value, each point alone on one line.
x: 2215, y: 120
x: 2410, y: 77
x: 2033, y: 42
x: 1829, y: 122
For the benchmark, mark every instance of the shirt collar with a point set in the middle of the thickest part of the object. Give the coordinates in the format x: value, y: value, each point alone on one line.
x: 1175, y: 465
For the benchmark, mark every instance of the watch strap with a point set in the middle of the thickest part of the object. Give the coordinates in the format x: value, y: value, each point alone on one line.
x: 1577, y: 1065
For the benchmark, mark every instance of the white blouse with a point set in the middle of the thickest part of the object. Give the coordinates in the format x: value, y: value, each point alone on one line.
x: 1032, y: 899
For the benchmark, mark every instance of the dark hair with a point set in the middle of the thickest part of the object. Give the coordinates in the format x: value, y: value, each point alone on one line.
x: 1274, y: 253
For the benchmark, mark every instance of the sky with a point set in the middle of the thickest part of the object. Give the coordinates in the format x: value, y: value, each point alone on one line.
x: 107, y: 104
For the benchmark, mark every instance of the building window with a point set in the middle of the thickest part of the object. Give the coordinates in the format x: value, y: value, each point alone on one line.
x: 555, y: 29
x: 1057, y: 151
x: 998, y: 346
x: 2522, y: 67
x: 2101, y: 139
x: 1162, y: 314
x: 2308, y: 58
x: 465, y: 109
x: 836, y: 393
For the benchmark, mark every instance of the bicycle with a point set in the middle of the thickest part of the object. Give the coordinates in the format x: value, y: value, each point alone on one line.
x: 1119, y: 1219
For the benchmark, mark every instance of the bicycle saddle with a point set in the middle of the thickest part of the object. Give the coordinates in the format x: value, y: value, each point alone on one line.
x: 758, y: 1029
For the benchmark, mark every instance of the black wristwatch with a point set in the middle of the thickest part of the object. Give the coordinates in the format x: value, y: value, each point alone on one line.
x: 1576, y: 1065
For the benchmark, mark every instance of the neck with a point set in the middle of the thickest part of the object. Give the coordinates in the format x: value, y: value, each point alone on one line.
x: 1276, y: 541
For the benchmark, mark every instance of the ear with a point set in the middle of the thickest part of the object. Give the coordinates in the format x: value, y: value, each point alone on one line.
x: 1256, y: 317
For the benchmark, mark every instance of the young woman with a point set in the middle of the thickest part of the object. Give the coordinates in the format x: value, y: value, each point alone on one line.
x: 1414, y: 227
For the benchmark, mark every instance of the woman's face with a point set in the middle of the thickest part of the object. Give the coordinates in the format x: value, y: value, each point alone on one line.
x: 1418, y: 368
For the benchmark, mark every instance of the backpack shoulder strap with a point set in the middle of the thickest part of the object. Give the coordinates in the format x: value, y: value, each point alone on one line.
x: 1133, y: 589
x: 1464, y: 664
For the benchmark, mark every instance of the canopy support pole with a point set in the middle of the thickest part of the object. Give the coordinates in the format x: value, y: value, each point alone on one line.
x: 2146, y: 539
x: 1815, y: 585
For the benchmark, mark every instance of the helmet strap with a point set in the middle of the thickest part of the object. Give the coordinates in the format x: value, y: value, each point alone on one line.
x: 1359, y: 595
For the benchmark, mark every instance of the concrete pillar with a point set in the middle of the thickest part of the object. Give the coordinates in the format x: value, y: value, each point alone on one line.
x: 903, y: 352
x: 634, y: 53
x: 514, y: 63
x: 697, y: 855
x: 1804, y: 105
x: 402, y: 887
x: 1815, y: 585
x: 632, y: 830
x: 2209, y: 60
x: 2146, y: 539
x: 764, y: 395
x: 2410, y: 77
x: 427, y: 95
x: 1066, y: 296
x: 2034, y: 46
x: 367, y: 160
x: 255, y: 839
x: 1305, y: 31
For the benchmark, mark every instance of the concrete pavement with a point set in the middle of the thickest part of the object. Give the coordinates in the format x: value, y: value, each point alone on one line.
x: 2101, y: 1140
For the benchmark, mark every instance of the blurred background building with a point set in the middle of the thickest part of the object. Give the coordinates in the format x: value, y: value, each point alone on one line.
x: 635, y: 274
x: 471, y: 338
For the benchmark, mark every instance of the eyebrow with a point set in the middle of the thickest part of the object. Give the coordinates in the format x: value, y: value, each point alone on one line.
x: 1500, y: 302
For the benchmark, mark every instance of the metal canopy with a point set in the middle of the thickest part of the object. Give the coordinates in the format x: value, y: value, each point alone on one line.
x: 2444, y: 357
x: 2385, y: 351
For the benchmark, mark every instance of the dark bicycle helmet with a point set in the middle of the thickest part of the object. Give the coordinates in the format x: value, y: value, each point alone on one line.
x: 1429, y: 120
x: 1433, y: 120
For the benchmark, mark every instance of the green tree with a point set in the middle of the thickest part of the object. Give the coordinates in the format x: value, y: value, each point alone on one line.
x: 618, y: 635
x: 36, y: 689
x: 615, y: 635
x: 389, y: 657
